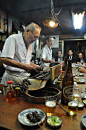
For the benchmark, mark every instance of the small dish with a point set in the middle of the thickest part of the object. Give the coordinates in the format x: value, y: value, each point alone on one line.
x: 81, y: 74
x: 80, y: 106
x: 76, y: 78
x: 80, y: 81
x: 84, y: 101
x: 54, y: 122
x: 83, y: 119
x: 83, y: 95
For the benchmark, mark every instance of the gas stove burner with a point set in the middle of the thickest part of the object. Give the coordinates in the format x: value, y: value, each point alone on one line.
x: 42, y: 75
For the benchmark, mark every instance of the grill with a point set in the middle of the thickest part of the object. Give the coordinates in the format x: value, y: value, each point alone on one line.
x: 38, y: 96
x: 42, y: 75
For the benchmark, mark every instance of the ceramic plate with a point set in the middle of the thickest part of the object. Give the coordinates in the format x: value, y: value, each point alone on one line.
x: 83, y: 119
x: 81, y: 81
x: 22, y: 117
x: 83, y: 95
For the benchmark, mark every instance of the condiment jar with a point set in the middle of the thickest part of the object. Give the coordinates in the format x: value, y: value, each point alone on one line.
x: 17, y: 91
x: 10, y: 92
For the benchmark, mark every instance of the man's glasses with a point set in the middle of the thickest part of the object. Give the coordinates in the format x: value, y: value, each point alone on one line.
x: 35, y: 37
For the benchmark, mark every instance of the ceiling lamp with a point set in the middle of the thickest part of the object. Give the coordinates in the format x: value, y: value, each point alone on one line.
x: 52, y: 21
x: 78, y: 19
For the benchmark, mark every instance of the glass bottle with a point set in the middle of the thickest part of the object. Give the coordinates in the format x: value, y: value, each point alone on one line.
x: 10, y: 93
x: 76, y: 92
x: 62, y: 77
x: 67, y: 86
x: 65, y: 64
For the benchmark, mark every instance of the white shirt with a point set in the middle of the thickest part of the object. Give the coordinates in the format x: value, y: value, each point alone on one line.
x: 46, y: 54
x: 59, y: 59
x: 15, y: 49
x: 70, y: 57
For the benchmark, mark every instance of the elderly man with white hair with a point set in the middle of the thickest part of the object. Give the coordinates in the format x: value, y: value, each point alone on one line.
x: 16, y: 54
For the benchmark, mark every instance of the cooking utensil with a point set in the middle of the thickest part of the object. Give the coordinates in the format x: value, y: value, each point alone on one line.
x: 67, y: 112
x: 36, y: 84
x: 39, y: 95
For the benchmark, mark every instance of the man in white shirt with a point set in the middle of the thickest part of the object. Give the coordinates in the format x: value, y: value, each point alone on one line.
x: 47, y: 52
x: 16, y: 54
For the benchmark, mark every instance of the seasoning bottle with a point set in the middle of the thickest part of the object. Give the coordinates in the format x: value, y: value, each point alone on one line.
x: 10, y: 93
x: 62, y: 75
x: 17, y: 91
x: 67, y: 86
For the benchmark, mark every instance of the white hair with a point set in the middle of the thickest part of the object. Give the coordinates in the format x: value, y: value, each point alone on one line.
x: 32, y: 26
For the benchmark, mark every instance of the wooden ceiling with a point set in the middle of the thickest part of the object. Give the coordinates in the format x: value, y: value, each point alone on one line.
x: 36, y: 10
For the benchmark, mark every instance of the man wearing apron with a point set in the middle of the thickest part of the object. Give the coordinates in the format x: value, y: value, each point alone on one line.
x: 16, y: 54
x: 46, y: 55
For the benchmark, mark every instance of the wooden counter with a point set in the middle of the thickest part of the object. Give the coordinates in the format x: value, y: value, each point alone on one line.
x: 9, y: 115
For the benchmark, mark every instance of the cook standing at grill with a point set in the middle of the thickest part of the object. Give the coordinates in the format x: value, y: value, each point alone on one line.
x: 16, y: 54
x: 46, y: 56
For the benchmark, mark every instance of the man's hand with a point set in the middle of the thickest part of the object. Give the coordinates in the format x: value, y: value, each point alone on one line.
x: 51, y: 61
x: 28, y: 67
x: 82, y: 70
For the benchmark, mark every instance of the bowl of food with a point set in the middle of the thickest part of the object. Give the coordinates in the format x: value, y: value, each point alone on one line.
x: 54, y: 122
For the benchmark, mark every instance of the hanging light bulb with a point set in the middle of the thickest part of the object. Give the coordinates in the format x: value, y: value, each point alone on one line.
x: 52, y: 23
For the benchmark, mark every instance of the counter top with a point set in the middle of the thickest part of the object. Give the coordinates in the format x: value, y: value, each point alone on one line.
x: 9, y: 115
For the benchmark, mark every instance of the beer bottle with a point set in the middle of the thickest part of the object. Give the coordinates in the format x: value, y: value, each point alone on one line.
x: 62, y: 77
x: 65, y: 64
x: 67, y: 86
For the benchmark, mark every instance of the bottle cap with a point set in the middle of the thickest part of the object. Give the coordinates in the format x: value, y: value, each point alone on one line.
x: 63, y: 72
x: 9, y: 82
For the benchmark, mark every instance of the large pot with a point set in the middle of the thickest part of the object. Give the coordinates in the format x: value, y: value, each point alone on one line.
x: 39, y: 95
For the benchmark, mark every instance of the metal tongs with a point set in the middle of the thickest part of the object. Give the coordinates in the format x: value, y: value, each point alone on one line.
x: 39, y: 68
